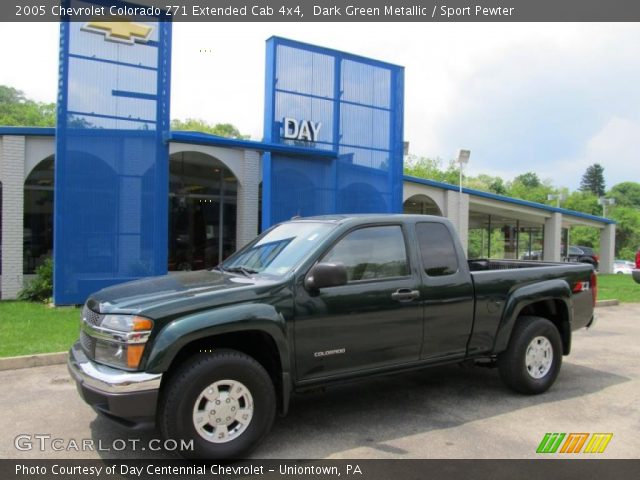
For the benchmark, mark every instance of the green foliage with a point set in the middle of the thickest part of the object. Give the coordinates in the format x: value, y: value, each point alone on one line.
x: 528, y: 180
x: 18, y: 111
x: 431, y: 169
x: 627, y: 194
x: 487, y: 183
x: 39, y: 289
x: 627, y: 229
x: 585, y: 236
x: 593, y: 180
x: 626, y: 253
x: 529, y: 187
x: 585, y: 202
x: 198, y: 125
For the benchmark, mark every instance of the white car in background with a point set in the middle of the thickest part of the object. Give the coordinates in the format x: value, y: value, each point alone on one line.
x: 623, y: 267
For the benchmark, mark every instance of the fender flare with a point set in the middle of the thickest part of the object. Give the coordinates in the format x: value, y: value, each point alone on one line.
x: 547, y: 290
x: 233, y: 319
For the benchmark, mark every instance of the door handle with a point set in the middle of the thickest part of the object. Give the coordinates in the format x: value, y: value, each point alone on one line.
x: 405, y: 295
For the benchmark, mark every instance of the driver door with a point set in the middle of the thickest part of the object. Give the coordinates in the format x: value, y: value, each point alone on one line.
x: 373, y: 321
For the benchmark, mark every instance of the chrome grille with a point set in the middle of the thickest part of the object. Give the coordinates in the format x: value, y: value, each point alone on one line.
x: 87, y: 342
x: 91, y: 317
x: 88, y: 345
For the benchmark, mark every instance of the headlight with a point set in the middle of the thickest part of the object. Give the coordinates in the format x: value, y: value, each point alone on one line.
x: 120, y: 340
x: 126, y: 323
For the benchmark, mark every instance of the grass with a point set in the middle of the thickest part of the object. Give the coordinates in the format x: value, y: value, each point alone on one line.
x: 620, y: 287
x: 27, y: 328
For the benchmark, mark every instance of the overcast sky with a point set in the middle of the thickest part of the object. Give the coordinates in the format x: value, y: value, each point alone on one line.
x: 549, y: 98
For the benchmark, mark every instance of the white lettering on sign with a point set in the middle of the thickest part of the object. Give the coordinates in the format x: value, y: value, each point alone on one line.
x: 304, y: 130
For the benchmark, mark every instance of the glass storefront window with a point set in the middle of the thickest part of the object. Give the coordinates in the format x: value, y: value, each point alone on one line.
x: 493, y: 236
x: 38, y: 216
x: 530, y: 243
x: 202, y: 211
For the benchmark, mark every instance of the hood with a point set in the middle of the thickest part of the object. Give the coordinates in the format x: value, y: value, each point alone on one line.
x: 169, y: 291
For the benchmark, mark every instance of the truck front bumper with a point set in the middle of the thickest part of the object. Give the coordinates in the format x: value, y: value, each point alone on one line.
x: 130, y: 398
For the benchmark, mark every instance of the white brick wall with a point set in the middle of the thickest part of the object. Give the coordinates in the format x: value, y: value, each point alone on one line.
x: 607, y: 248
x: 453, y: 209
x: 248, y: 190
x: 552, y: 238
x: 12, y: 161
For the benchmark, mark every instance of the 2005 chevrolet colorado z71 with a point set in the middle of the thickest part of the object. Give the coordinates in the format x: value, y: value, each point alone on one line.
x: 212, y: 355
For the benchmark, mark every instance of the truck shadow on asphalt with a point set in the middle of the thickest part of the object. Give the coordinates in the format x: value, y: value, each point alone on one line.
x: 370, y: 412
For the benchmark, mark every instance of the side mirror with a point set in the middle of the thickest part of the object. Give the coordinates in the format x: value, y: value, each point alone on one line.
x: 325, y: 275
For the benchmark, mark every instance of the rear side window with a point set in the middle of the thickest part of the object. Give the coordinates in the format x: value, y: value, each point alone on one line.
x: 371, y: 253
x: 437, y: 249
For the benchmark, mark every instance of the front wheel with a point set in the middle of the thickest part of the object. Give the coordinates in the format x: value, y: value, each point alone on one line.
x: 223, y: 402
x: 532, y: 361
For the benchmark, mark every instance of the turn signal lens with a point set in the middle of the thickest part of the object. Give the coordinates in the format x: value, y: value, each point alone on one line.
x: 134, y: 355
x: 141, y: 323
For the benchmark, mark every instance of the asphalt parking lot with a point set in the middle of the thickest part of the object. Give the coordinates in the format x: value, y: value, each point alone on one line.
x: 444, y: 412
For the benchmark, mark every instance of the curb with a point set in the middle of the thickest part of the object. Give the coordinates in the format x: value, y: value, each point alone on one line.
x: 28, y: 361
x: 607, y: 303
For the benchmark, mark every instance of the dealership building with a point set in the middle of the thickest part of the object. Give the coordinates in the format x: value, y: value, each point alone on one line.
x: 112, y: 194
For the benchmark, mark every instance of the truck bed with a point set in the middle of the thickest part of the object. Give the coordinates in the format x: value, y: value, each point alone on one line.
x: 495, y: 280
x: 485, y: 264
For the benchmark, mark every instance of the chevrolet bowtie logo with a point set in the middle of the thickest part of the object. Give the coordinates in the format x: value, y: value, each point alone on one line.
x: 123, y: 32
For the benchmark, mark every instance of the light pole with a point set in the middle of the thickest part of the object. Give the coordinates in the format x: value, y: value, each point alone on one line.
x: 604, y: 202
x: 463, y: 159
x: 558, y: 197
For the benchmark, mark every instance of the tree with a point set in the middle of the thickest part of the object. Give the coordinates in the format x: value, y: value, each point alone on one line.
x: 627, y: 194
x: 586, y: 236
x: 16, y: 110
x: 528, y: 180
x: 585, y: 202
x: 593, y: 180
x: 431, y: 169
x: 627, y: 230
x: 486, y: 183
x: 528, y: 186
x: 198, y: 125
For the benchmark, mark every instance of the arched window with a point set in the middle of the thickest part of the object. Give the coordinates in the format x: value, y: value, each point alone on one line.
x: 421, y: 204
x: 38, y: 215
x: 202, y: 211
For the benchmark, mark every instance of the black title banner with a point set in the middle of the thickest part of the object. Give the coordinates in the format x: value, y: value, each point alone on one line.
x: 320, y: 469
x: 325, y: 10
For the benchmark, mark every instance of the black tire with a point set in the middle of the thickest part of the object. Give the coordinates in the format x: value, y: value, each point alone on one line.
x: 512, y: 363
x: 176, y: 415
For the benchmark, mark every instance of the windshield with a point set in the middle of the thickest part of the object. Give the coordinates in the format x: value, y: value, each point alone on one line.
x: 279, y: 250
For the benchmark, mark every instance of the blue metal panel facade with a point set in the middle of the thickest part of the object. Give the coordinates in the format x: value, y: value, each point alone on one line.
x: 111, y: 168
x: 359, y: 104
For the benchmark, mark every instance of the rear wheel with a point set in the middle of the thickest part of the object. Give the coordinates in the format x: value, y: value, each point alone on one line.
x: 224, y: 401
x: 532, y: 361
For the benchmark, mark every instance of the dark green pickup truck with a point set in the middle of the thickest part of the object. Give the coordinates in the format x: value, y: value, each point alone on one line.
x: 211, y: 356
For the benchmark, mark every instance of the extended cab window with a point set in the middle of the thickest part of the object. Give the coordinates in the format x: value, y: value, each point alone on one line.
x: 371, y: 253
x: 437, y: 249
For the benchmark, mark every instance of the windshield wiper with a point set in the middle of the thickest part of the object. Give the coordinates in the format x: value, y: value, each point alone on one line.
x: 246, y: 271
